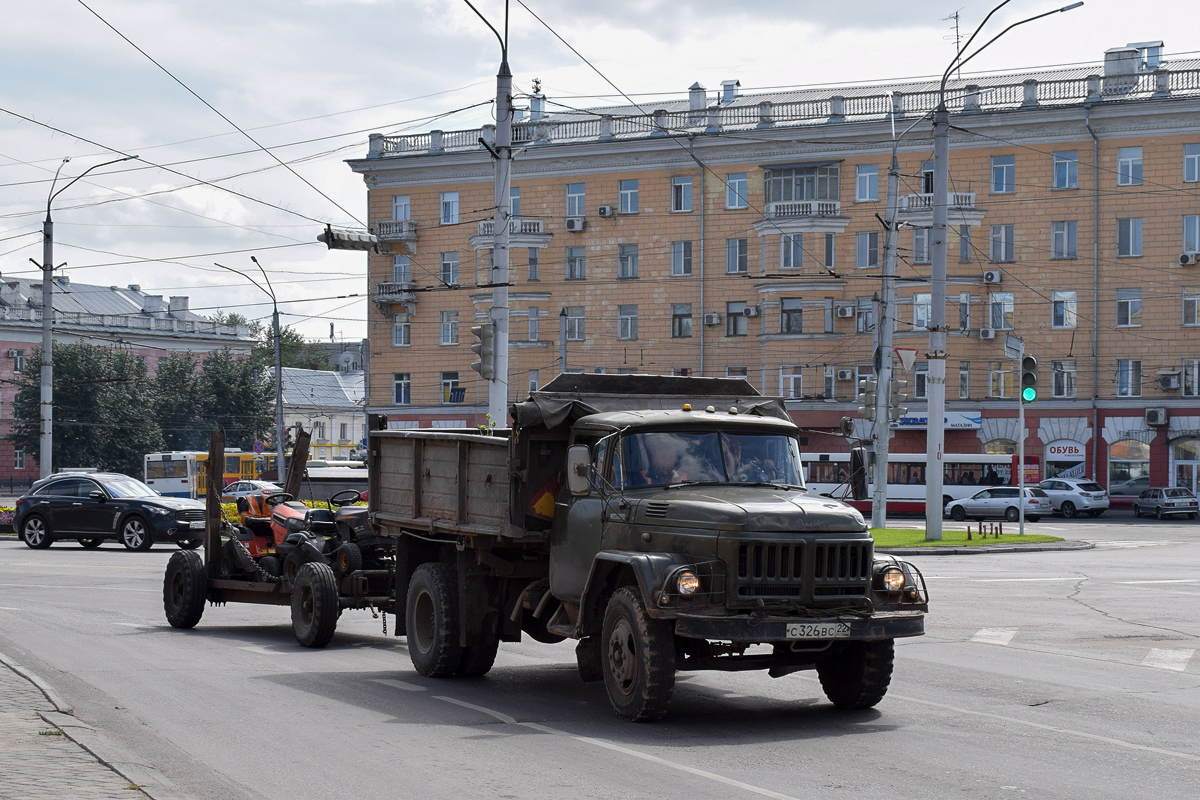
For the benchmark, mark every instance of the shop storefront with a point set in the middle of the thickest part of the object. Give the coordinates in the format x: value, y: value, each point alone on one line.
x: 1185, y: 463
x: 1128, y: 467
x: 1066, y: 458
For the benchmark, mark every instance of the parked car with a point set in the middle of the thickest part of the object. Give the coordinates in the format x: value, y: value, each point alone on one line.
x: 1071, y: 497
x: 95, y: 507
x: 1001, y: 501
x: 1163, y: 501
x: 238, y: 489
x: 1132, y: 487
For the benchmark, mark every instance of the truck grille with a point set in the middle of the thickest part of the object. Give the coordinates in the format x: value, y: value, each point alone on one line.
x: 802, y: 570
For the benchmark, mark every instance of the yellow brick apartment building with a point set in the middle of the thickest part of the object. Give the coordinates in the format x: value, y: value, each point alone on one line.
x: 725, y: 234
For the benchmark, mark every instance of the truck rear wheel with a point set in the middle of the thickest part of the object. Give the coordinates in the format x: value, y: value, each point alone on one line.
x: 477, y: 659
x: 315, y: 605
x: 184, y: 589
x: 638, y: 658
x: 857, y: 674
x: 431, y: 618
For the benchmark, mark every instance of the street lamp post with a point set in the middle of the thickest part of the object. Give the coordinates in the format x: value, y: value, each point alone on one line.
x: 936, y: 381
x: 46, y: 453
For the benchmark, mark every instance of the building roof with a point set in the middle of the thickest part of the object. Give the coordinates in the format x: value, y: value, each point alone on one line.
x: 324, y: 389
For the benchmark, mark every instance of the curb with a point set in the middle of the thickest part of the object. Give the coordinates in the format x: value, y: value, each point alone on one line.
x: 61, y: 705
x: 1040, y: 547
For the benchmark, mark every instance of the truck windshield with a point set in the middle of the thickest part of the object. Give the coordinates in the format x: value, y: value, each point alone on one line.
x: 661, y: 458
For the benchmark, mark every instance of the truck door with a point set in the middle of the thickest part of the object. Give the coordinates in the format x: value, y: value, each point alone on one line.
x: 576, y: 533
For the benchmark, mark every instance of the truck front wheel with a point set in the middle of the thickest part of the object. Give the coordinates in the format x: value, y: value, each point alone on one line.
x: 432, y: 620
x: 638, y: 658
x: 858, y: 673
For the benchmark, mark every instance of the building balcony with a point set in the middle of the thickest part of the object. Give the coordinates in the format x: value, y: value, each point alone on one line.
x: 522, y: 232
x: 396, y: 230
x: 516, y: 226
x: 917, y: 209
x: 803, y: 208
x: 802, y: 216
x: 395, y: 292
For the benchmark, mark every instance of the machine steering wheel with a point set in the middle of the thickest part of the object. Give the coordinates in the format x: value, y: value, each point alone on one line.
x: 275, y: 499
x: 344, y: 498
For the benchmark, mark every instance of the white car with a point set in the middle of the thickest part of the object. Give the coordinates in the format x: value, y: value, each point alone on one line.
x: 1001, y: 501
x: 239, y: 489
x: 1071, y: 497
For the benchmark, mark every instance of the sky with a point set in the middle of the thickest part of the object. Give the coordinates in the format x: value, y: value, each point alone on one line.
x: 306, y: 81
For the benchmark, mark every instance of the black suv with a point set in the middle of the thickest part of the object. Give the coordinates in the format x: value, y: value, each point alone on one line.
x: 93, y: 507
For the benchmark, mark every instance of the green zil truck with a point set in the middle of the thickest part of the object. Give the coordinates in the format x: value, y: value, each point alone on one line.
x: 660, y: 522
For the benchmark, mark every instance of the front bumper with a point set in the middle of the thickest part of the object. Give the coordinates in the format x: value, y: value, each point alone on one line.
x: 749, y: 628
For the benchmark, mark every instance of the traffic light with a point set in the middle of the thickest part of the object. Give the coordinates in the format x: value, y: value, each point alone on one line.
x: 1029, y: 379
x: 895, y: 397
x: 866, y: 398
x: 336, y: 239
x: 485, y: 348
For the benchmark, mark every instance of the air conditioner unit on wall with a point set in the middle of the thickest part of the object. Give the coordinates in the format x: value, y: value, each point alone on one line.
x: 712, y: 319
x: 604, y: 211
x: 1189, y: 259
x: 845, y: 312
x: 750, y: 311
x: 845, y: 374
x: 13, y: 353
x: 992, y: 276
x: 575, y: 224
x: 987, y: 333
x: 1168, y: 381
x: 1156, y: 416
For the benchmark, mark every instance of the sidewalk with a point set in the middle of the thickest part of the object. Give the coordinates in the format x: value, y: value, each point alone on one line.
x: 39, y: 760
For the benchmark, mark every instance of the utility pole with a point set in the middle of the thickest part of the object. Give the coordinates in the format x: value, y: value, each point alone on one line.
x: 887, y: 306
x: 562, y: 340
x: 278, y: 373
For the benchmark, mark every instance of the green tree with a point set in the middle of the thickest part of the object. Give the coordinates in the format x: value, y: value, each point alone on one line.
x: 104, y: 408
x: 238, y: 396
x: 181, y: 403
x: 294, y: 351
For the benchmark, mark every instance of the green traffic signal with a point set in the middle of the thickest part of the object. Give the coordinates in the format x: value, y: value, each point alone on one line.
x: 1029, y: 394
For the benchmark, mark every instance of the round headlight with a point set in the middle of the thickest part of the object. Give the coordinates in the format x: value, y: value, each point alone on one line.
x: 687, y: 582
x: 893, y: 579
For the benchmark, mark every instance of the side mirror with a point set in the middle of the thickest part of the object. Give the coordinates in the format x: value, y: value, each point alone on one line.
x: 579, y: 461
x: 98, y: 495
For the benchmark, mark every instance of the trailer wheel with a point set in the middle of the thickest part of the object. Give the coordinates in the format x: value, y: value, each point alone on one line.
x: 638, y: 658
x: 857, y: 674
x: 431, y: 617
x: 315, y: 605
x: 184, y: 589
x: 271, y: 566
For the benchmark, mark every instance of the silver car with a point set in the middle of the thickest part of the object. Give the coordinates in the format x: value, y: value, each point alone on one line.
x: 1071, y: 497
x: 1162, y: 501
x: 239, y: 489
x: 1001, y: 501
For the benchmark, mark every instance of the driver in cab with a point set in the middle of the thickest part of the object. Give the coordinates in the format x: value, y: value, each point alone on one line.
x: 662, y: 469
x: 742, y: 468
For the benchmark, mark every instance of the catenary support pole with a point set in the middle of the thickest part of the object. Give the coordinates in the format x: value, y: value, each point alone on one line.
x: 936, y: 356
x: 498, y: 386
x: 887, y: 310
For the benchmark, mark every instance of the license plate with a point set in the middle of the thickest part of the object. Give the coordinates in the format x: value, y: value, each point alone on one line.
x: 818, y: 630
x: 196, y: 525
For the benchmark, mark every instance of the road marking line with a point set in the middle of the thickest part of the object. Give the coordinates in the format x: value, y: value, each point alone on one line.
x: 262, y: 651
x: 700, y: 773
x: 993, y: 636
x: 8, y: 608
x: 61, y: 586
x: 408, y: 687
x: 1168, y: 659
x: 1026, y: 580
x: 1175, y: 580
x: 1125, y: 545
x: 132, y: 625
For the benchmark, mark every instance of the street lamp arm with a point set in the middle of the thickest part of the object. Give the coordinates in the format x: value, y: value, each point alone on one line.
x: 54, y: 194
x: 257, y: 285
x: 265, y: 277
x: 955, y: 61
x: 1010, y: 27
x: 501, y: 39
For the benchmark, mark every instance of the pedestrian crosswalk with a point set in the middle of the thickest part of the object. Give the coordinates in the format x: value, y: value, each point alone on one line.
x: 1174, y: 659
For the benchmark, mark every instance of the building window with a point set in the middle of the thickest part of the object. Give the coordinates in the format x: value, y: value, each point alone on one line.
x: 964, y: 380
x: 922, y: 306
x: 1129, y: 237
x: 830, y: 383
x: 736, y: 322
x: 1129, y: 308
x: 735, y: 190
x: 1066, y: 169
x: 1191, y: 234
x: 1128, y: 460
x: 1191, y: 377
x: 401, y: 269
x: 1062, y: 239
x: 449, y: 274
x: 791, y: 251
x: 790, y: 316
x: 866, y: 249
x: 802, y: 183
x: 1062, y: 379
x: 627, y: 261
x: 964, y: 311
x: 681, y: 258
x: 19, y: 361
x: 866, y: 183
x: 737, y: 256
x: 514, y: 201
x: 1062, y: 309
x: 535, y: 324
x: 343, y: 431
x: 681, y: 320
x: 576, y: 268
x: 682, y: 371
x: 920, y: 390
x: 1129, y: 166
x: 535, y: 264
x: 401, y: 208
x: 864, y: 315
x: 627, y: 196
x: 964, y: 244
x: 449, y: 214
x: 533, y: 381
x: 401, y: 388
x: 735, y: 372
x: 1129, y: 378
x: 681, y: 194
x: 1000, y: 379
x: 451, y: 391
x: 449, y: 320
x: 576, y: 199
x: 1001, y: 304
x: 1191, y: 306
x: 791, y: 386
x: 627, y: 322
x: 830, y: 250
x: 18, y: 458
x: 862, y: 372
x: 574, y: 323
x: 920, y: 245
x: 1004, y: 174
x: 401, y: 331
x: 1002, y: 243
x: 1191, y: 163
x: 927, y: 177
